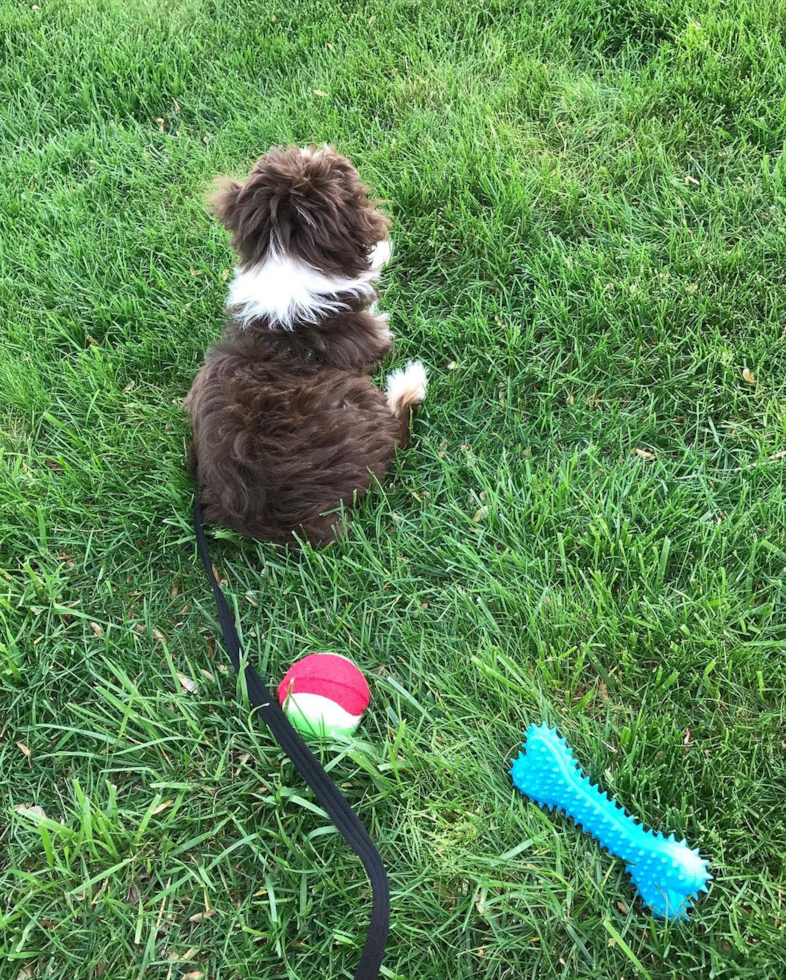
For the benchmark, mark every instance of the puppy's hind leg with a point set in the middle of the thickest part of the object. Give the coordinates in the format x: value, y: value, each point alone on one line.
x: 193, y: 459
x: 406, y: 390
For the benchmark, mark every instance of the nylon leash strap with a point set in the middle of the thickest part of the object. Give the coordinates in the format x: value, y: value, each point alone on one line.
x: 311, y: 770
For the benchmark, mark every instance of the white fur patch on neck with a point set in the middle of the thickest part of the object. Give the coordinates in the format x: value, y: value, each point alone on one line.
x: 284, y: 290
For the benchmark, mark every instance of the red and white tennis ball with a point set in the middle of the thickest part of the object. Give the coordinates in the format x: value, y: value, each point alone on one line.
x: 324, y: 694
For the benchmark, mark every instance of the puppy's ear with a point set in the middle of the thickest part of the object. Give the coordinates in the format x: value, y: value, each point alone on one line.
x: 223, y: 201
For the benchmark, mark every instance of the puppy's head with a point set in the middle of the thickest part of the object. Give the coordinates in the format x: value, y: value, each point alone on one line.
x: 305, y: 204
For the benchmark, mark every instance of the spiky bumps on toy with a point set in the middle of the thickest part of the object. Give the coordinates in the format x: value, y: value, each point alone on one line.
x: 666, y: 872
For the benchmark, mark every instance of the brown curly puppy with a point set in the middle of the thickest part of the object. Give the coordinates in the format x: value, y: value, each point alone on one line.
x: 287, y: 423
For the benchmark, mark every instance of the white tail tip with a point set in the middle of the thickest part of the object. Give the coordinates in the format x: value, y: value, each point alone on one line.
x: 407, y: 386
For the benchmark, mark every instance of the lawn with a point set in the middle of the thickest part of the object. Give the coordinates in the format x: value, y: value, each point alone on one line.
x: 589, y: 529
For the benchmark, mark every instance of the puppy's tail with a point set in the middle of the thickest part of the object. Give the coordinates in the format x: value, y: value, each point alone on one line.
x: 406, y: 389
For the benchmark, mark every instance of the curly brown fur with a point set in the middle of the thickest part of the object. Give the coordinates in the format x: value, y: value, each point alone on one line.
x: 309, y: 204
x: 288, y: 426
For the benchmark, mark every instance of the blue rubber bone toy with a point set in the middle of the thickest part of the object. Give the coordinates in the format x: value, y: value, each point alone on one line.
x: 666, y: 872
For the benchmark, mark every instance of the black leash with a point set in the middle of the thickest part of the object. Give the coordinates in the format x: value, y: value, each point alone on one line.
x: 309, y: 767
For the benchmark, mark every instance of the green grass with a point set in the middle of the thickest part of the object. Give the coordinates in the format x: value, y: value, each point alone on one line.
x: 590, y: 527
